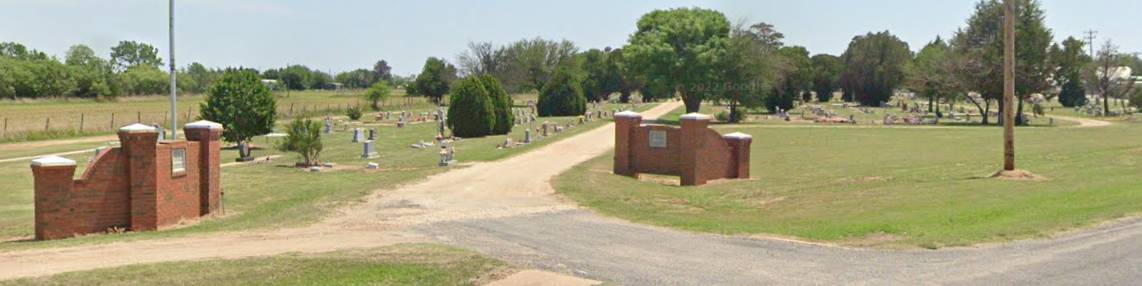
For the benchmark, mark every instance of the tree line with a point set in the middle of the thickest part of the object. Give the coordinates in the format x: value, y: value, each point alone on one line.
x: 135, y: 68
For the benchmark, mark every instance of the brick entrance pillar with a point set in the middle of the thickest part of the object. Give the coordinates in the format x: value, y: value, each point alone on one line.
x: 53, y: 192
x: 739, y: 153
x: 139, y: 144
x: 625, y: 124
x: 207, y: 134
x: 693, y: 139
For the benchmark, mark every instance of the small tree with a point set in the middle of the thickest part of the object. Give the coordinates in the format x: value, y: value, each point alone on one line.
x: 562, y: 96
x: 242, y: 105
x: 502, y: 103
x: 380, y: 91
x: 471, y: 112
x: 433, y: 82
x: 304, y: 138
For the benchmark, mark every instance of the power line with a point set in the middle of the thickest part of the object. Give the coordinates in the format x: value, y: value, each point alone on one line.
x: 1090, y: 36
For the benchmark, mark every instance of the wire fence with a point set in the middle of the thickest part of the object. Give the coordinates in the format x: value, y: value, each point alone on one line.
x: 19, y: 128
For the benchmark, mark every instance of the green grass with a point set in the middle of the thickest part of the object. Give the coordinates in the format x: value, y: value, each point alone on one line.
x: 414, y: 264
x: 274, y: 195
x: 902, y: 186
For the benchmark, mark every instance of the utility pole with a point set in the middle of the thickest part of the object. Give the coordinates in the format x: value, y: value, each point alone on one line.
x: 174, y: 79
x: 1009, y: 85
x: 1090, y: 36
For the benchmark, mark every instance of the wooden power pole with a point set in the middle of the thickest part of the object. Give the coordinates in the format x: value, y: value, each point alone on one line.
x: 1009, y: 85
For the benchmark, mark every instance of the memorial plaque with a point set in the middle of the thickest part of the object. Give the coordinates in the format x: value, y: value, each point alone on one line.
x: 657, y: 139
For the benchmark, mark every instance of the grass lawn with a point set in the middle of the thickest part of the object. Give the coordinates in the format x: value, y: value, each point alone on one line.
x: 273, y: 195
x: 891, y: 187
x: 413, y: 264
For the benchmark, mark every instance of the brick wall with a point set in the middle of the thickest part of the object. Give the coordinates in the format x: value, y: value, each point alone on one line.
x: 132, y: 186
x: 693, y: 152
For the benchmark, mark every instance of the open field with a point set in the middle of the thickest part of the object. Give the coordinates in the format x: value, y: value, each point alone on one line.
x: 410, y: 264
x: 890, y: 187
x: 46, y: 119
x: 272, y: 195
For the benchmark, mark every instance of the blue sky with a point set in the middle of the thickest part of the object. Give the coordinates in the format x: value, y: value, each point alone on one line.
x: 339, y: 35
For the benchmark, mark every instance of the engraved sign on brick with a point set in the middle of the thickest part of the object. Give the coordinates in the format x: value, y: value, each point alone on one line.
x: 657, y: 139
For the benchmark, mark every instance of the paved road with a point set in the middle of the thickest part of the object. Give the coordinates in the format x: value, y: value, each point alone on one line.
x: 587, y: 245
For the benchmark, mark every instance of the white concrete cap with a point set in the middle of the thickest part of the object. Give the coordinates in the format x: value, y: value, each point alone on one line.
x: 138, y: 128
x: 737, y: 136
x: 628, y: 114
x: 203, y: 124
x: 52, y: 161
x: 695, y: 116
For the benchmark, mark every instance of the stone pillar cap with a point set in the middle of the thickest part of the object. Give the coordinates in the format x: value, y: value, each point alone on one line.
x: 52, y: 161
x: 138, y: 128
x: 628, y: 114
x: 203, y: 124
x: 738, y: 136
x: 695, y: 116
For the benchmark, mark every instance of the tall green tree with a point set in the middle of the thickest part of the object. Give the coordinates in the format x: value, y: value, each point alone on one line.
x: 875, y: 65
x: 130, y: 53
x: 932, y: 74
x: 628, y: 80
x: 980, y: 49
x: 435, y: 79
x: 680, y: 48
x: 601, y: 75
x: 243, y: 106
x: 826, y: 75
x: 748, y: 70
x: 382, y: 71
x: 91, y: 74
x: 1069, y: 60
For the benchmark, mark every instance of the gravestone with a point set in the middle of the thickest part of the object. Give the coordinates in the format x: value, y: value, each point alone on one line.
x: 545, y: 132
x: 373, y: 134
x: 400, y: 121
x: 357, y: 135
x: 447, y: 156
x: 368, y: 151
x: 372, y: 166
x: 526, y: 136
x: 328, y: 125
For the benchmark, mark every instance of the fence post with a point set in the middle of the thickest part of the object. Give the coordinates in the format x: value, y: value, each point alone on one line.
x: 188, y: 110
x: 291, y: 110
x: 47, y: 124
x: 5, y: 126
x: 112, y: 126
x: 81, y: 119
x: 138, y: 117
x: 165, y: 118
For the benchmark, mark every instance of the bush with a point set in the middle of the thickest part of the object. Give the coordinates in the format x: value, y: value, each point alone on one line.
x: 305, y: 139
x: 471, y: 112
x: 242, y: 105
x: 354, y: 113
x: 502, y: 103
x: 562, y: 96
x: 1073, y: 94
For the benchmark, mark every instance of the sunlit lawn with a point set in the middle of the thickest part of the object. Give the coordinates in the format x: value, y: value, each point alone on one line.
x: 891, y: 186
